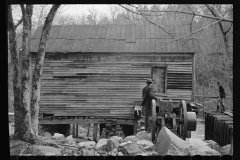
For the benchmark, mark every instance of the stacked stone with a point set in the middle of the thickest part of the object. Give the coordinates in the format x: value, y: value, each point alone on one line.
x: 112, y: 129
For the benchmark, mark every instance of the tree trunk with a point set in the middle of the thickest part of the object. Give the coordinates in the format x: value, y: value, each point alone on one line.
x: 10, y: 81
x: 36, y: 80
x: 26, y: 133
x: 16, y: 75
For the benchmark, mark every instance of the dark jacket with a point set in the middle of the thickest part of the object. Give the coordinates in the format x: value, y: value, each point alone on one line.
x: 147, y: 96
x: 222, y: 92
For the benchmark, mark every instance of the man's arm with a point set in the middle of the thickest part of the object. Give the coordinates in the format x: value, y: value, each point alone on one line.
x: 151, y: 94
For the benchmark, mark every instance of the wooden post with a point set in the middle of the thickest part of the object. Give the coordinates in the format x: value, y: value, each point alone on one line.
x: 73, y: 130
x: 193, y: 78
x: 76, y: 130
x: 88, y: 129
x: 231, y: 149
x: 203, y: 100
x: 95, y: 130
x: 135, y: 126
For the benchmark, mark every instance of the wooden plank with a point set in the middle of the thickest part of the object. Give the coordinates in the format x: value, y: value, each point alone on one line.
x: 73, y: 33
x: 138, y: 32
x: 152, y: 31
x: 58, y: 46
x: 64, y: 33
x: 121, y: 46
x: 108, y: 34
x: 33, y: 44
x: 131, y: 47
x: 148, y: 32
x: 37, y: 33
x: 123, y: 30
x: 148, y: 45
x: 84, y: 33
x: 174, y: 46
x: 169, y: 45
x: 100, y: 45
x: 126, y: 47
x: 75, y: 45
x: 142, y: 45
x: 128, y: 33
x: 133, y: 34
x: 157, y: 32
x: 49, y: 46
x: 95, y: 131
x: 80, y: 32
x: 54, y: 32
x: 118, y: 32
x: 184, y: 31
x: 79, y: 46
x: 104, y: 31
x: 70, y: 31
x: 86, y: 45
x: 143, y: 31
x: 99, y: 31
x: 93, y: 32
x: 112, y: 34
x: 137, y: 46
x: 179, y: 46
x: 152, y: 45
x: 95, y: 45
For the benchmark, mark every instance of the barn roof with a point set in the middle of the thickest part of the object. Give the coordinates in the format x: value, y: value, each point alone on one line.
x: 146, y: 38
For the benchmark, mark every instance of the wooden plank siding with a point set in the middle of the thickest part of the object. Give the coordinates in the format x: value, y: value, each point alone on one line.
x: 107, y: 84
x: 100, y: 70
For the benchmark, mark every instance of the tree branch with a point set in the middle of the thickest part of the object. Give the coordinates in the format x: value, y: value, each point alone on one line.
x: 191, y: 33
x: 18, y: 23
x: 201, y: 15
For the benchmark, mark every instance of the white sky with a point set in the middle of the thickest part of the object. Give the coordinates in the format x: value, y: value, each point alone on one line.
x: 80, y: 9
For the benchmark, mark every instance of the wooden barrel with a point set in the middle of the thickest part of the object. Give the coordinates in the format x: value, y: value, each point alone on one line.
x: 218, y: 127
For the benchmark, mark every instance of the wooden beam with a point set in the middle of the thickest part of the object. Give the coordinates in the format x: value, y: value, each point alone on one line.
x: 193, y: 77
x: 82, y: 121
x: 95, y: 130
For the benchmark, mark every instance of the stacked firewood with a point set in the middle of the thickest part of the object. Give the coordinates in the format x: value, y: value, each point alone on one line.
x: 112, y: 129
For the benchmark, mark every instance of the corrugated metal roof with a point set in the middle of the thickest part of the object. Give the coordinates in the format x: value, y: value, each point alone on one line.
x: 146, y: 38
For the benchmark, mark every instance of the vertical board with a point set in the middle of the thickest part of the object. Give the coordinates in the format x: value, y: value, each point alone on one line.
x: 158, y: 75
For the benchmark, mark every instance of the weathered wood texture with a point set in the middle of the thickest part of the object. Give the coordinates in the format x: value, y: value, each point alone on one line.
x: 107, y: 84
x: 115, y: 38
x: 218, y: 127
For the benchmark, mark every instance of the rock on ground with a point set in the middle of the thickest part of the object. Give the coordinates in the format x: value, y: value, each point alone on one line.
x: 45, y: 150
x: 170, y: 144
x: 145, y: 144
x: 87, y: 152
x: 143, y: 136
x: 111, y: 144
x: 132, y: 149
x: 119, y: 139
x: 129, y: 138
x: 59, y: 136
x: 47, y: 134
x: 225, y: 150
x: 212, y: 144
x: 88, y: 144
x: 101, y: 143
x: 199, y: 147
x: 69, y: 139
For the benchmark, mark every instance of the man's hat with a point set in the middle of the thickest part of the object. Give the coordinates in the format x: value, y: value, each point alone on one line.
x: 149, y: 81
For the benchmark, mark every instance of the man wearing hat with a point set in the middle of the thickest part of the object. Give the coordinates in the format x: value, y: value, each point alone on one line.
x: 147, y: 96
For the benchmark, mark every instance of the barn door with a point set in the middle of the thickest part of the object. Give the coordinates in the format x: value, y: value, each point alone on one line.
x: 159, y: 77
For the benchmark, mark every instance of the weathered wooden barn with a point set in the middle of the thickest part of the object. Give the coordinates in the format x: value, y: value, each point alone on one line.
x: 100, y: 70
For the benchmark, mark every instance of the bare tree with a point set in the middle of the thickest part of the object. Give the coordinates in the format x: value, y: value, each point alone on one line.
x: 114, y: 10
x: 94, y: 16
x: 215, y: 61
x: 23, y: 112
x: 36, y: 82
